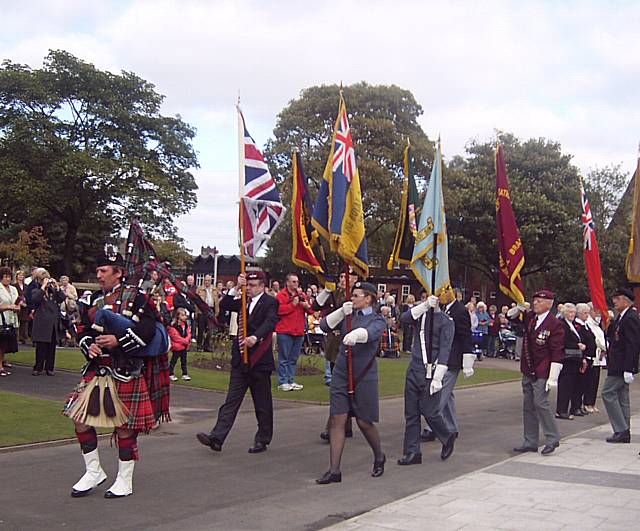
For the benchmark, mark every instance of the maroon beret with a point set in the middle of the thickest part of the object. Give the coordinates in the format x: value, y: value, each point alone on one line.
x: 256, y: 275
x: 544, y: 294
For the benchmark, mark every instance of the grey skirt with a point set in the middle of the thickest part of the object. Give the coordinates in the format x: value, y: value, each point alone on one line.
x: 365, y: 406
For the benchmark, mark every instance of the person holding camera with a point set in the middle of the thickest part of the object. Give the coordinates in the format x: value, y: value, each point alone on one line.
x: 46, y: 299
x: 8, y: 319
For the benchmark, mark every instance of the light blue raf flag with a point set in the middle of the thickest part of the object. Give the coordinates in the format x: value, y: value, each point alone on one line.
x: 433, y: 222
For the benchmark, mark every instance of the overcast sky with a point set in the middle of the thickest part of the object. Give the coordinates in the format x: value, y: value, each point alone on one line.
x: 569, y: 71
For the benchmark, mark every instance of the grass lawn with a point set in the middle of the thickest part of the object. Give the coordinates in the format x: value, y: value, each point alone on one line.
x: 29, y: 420
x: 391, y: 372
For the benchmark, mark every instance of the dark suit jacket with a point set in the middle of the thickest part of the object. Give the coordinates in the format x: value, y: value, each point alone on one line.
x: 462, y: 339
x: 46, y: 319
x: 542, y: 346
x: 261, y: 323
x: 624, y: 344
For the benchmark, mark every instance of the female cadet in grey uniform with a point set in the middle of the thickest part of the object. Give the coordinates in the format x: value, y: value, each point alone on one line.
x: 367, y: 328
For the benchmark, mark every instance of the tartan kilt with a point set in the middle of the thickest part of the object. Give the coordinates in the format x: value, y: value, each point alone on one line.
x: 133, y: 394
x: 385, y: 344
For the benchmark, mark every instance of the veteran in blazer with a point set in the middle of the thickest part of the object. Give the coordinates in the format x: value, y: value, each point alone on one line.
x: 540, y: 365
x: 622, y: 365
x: 262, y: 317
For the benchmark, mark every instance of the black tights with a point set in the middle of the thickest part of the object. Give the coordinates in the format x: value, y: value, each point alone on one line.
x: 337, y: 439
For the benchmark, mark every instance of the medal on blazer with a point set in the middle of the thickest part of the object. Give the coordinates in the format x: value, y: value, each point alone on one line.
x: 542, y: 337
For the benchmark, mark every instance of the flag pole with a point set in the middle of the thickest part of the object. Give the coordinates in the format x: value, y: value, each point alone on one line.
x: 243, y: 269
x: 351, y: 385
x: 434, y: 262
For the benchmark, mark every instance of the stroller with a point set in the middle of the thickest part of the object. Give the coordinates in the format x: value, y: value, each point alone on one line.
x: 314, y: 343
x: 507, y: 346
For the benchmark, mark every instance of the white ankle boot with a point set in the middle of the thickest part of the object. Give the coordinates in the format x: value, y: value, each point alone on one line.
x: 92, y: 477
x: 123, y: 485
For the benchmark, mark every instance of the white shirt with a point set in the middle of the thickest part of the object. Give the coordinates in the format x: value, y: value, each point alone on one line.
x: 541, y: 318
x: 623, y: 312
x: 253, y: 303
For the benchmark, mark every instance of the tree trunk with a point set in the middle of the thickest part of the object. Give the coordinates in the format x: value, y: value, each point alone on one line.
x: 69, y: 245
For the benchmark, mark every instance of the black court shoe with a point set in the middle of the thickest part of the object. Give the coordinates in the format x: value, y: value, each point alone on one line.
x: 447, y: 448
x: 549, y: 448
x: 523, y: 449
x: 258, y: 448
x: 329, y: 477
x: 209, y: 441
x: 378, y: 467
x: 427, y: 436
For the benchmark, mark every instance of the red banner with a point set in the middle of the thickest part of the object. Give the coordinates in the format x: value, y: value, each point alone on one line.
x: 510, y: 250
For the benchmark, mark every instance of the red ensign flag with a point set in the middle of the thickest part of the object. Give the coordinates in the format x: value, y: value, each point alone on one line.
x: 510, y: 251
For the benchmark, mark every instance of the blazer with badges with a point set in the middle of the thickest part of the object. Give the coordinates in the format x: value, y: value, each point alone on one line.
x: 542, y: 346
x: 462, y: 338
x: 443, y: 337
x: 624, y: 344
x: 261, y: 322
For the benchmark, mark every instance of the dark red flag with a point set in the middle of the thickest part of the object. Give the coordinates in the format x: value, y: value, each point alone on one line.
x: 510, y: 251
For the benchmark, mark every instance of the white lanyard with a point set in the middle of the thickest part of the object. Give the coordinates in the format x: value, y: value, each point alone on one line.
x: 423, y: 346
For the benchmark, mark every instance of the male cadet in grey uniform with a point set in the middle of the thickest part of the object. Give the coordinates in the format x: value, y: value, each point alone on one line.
x: 424, y: 379
x: 460, y: 357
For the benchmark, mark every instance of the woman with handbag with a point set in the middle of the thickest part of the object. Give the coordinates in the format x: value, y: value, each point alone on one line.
x: 8, y: 318
x: 45, y: 299
x: 568, y: 384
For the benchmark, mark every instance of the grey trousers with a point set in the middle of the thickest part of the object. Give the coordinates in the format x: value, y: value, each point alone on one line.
x: 417, y: 402
x: 448, y: 401
x: 536, y: 411
x: 615, y: 395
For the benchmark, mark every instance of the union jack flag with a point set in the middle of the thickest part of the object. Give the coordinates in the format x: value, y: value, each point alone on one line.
x: 588, y: 226
x: 263, y: 211
x: 344, y: 154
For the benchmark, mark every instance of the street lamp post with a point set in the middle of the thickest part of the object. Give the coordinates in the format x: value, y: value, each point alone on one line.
x: 215, y: 266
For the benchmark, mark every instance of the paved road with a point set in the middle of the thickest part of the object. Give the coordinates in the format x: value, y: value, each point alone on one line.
x: 181, y: 484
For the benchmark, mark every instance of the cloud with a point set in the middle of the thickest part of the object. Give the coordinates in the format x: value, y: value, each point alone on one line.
x: 568, y: 71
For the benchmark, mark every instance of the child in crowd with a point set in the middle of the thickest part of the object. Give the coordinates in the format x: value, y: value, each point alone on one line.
x: 180, y: 336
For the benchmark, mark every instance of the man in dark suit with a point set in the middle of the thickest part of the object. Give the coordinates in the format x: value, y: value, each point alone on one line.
x: 461, y: 357
x: 540, y: 364
x: 262, y: 317
x: 622, y: 364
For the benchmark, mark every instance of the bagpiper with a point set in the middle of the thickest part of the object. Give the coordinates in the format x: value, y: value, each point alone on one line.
x: 125, y: 382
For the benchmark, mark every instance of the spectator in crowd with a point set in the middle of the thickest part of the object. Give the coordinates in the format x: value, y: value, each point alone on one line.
x: 208, y: 294
x: 9, y: 324
x: 559, y: 311
x: 275, y: 287
x: 516, y: 323
x: 471, y: 308
x: 162, y: 308
x: 45, y: 298
x: 292, y: 312
x: 68, y: 289
x: 389, y: 342
x: 390, y: 302
x: 180, y: 336
x: 622, y: 364
x: 592, y: 381
x: 151, y: 283
x: 220, y: 289
x: 68, y: 312
x: 314, y: 290
x: 407, y: 329
x: 169, y: 294
x: 23, y: 312
x: 585, y: 380
x: 568, y: 404
x: 182, y: 301
x: 484, y: 321
x: 494, y: 330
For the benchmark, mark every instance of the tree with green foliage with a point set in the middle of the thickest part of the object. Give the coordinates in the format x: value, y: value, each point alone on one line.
x: 85, y: 149
x: 381, y: 118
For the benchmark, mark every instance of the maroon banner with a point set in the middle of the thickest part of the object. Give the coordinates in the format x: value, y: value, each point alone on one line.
x: 510, y: 250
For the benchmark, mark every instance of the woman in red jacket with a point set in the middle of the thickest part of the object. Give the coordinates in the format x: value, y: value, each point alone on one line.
x: 180, y: 336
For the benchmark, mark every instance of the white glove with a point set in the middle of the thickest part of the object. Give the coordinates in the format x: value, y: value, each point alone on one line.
x: 436, y: 381
x: 419, y: 309
x: 347, y: 308
x: 359, y: 335
x: 432, y: 301
x: 467, y: 365
x: 628, y: 377
x: 554, y: 373
x: 512, y: 312
x: 323, y: 296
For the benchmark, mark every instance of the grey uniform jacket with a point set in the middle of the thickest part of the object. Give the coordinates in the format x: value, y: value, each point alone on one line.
x: 443, y: 332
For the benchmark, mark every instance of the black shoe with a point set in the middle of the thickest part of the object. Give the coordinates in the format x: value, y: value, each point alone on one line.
x: 329, y: 477
x: 36, y: 373
x: 522, y: 449
x: 577, y: 413
x: 378, y: 467
x: 427, y: 436
x: 110, y: 495
x: 549, y: 448
x: 325, y: 436
x: 620, y: 437
x: 410, y: 459
x: 50, y: 373
x: 258, y: 448
x: 210, y: 441
x: 447, y: 448
x: 564, y: 416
